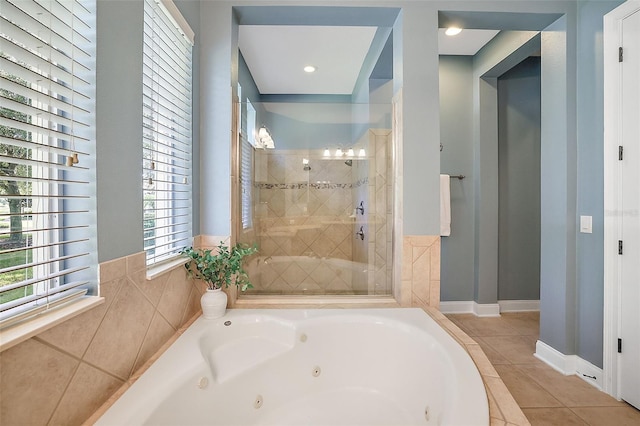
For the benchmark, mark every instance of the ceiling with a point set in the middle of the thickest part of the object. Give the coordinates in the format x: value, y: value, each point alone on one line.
x: 276, y: 55
x: 468, y: 42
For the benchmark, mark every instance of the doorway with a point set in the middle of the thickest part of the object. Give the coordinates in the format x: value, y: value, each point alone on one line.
x: 519, y: 185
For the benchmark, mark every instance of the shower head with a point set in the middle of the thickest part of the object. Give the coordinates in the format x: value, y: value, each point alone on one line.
x: 349, y: 162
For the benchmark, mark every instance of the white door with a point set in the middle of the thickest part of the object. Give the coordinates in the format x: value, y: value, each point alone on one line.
x: 630, y: 200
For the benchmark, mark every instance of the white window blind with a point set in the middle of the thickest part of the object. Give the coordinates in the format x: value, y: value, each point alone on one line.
x: 167, y: 61
x: 47, y: 161
x: 247, y: 126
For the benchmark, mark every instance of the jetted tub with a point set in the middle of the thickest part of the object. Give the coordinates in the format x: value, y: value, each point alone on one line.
x: 308, y: 367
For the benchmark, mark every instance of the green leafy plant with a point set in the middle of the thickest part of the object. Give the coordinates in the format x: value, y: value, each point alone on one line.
x: 220, y: 266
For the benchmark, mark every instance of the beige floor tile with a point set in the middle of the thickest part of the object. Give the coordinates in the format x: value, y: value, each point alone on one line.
x: 606, y: 416
x: 495, y: 357
x: 461, y: 319
x: 526, y: 323
x: 569, y: 390
x: 516, y: 349
x: 524, y: 389
x: 545, y: 396
x: 552, y: 417
x: 492, y: 326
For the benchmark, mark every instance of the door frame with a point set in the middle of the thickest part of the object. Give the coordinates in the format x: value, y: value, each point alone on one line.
x: 612, y: 197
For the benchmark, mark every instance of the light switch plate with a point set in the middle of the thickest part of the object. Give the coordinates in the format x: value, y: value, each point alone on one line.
x: 586, y: 224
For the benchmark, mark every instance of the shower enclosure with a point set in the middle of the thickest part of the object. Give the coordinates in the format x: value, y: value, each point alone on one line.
x: 315, y: 194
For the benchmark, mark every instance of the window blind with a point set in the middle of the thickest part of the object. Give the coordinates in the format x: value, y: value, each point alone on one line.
x: 167, y: 75
x: 246, y: 167
x: 247, y: 130
x: 47, y: 155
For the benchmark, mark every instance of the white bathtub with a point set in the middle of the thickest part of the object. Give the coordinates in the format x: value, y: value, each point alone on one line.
x: 309, y: 367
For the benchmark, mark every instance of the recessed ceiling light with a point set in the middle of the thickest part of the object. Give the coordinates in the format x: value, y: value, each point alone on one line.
x: 451, y: 31
x: 309, y: 68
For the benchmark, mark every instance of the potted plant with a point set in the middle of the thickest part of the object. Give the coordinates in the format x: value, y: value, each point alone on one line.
x: 218, y: 267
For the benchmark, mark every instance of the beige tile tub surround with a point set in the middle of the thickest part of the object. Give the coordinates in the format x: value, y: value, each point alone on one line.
x: 62, y: 375
x: 420, y: 275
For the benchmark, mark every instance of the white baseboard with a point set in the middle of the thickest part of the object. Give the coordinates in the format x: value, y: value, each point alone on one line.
x: 519, y: 305
x: 486, y: 309
x: 569, y: 364
x: 461, y: 307
x: 560, y: 362
x: 470, y: 307
x: 589, y: 373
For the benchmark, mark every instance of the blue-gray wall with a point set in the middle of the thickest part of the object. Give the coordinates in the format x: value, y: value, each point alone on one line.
x: 456, y: 158
x: 119, y: 128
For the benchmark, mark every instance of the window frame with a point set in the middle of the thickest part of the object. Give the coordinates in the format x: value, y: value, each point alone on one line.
x: 167, y: 134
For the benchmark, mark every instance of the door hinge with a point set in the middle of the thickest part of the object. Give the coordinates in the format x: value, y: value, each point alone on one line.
x: 619, y: 246
x: 620, y: 152
x: 619, y: 346
x: 620, y: 54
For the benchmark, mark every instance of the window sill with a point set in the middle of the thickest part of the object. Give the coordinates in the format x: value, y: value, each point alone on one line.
x: 157, y: 270
x: 25, y: 330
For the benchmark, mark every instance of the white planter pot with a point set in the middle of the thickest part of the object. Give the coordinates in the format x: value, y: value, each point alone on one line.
x: 214, y: 303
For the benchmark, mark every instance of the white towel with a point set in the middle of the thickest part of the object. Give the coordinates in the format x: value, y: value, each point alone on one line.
x: 445, y: 206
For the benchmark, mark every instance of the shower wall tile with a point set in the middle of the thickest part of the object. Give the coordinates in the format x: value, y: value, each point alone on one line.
x: 420, y: 271
x: 311, y: 213
x: 301, y: 214
x: 63, y: 374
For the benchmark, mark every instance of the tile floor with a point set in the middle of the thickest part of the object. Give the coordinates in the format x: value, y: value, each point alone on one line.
x: 545, y: 396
